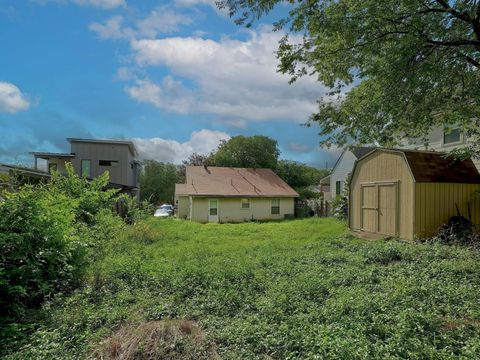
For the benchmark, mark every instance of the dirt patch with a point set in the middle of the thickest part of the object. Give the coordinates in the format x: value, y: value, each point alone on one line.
x: 457, y: 323
x: 170, y: 339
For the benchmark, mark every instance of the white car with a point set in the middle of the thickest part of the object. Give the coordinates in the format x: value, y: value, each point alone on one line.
x: 162, y: 212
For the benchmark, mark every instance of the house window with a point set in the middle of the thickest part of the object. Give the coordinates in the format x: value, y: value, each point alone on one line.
x: 338, y: 187
x: 451, y: 135
x: 245, y: 203
x: 52, y: 167
x: 112, y: 163
x: 86, y: 168
x: 275, y: 206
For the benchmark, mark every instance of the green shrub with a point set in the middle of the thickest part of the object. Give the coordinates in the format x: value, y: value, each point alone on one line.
x: 38, y: 248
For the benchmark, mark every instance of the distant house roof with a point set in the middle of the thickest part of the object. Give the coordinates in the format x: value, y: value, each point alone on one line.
x: 358, y: 152
x: 48, y: 155
x: 130, y: 144
x: 226, y: 181
x: 4, y: 168
x: 361, y: 151
x: 430, y: 166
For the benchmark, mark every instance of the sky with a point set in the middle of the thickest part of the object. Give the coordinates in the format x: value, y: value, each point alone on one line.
x: 176, y: 77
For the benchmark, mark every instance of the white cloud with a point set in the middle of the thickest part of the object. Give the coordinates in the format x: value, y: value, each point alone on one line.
x: 233, y: 79
x: 299, y: 148
x: 11, y: 98
x: 112, y: 29
x: 166, y: 150
x: 102, y: 4
x: 162, y: 20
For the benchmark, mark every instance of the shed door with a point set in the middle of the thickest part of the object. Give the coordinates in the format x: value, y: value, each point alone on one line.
x: 379, y: 208
x: 369, y: 208
x: 387, y: 209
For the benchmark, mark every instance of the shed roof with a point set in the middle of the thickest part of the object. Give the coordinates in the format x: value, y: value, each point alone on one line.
x: 227, y: 181
x: 438, y: 167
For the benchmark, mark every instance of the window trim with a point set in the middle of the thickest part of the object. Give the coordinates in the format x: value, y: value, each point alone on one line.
x: 453, y: 128
x: 338, y: 187
x: 274, y: 206
x: 89, y: 168
x: 242, y: 203
x: 111, y: 163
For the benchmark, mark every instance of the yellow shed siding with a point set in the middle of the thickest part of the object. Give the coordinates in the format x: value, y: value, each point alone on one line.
x: 435, y: 205
x: 384, y: 167
x: 230, y: 209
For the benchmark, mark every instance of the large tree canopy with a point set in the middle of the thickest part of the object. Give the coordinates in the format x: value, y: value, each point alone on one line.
x: 246, y: 151
x: 396, y: 68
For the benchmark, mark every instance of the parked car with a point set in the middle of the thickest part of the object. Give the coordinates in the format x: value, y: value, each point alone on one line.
x: 164, y: 211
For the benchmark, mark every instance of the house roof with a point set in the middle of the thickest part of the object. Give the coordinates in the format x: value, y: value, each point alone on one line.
x: 5, y: 168
x: 431, y: 166
x: 227, y: 181
x: 130, y: 144
x: 358, y: 152
x: 52, y: 155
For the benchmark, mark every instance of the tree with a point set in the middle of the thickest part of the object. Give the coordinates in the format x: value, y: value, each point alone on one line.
x: 300, y: 176
x: 395, y: 68
x: 246, y: 151
x: 157, y: 181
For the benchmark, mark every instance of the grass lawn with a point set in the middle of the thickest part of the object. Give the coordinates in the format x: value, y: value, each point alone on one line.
x: 300, y: 289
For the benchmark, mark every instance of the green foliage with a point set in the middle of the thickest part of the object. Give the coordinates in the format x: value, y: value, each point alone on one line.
x: 130, y: 210
x: 395, y: 68
x: 300, y: 176
x: 91, y: 195
x: 300, y: 289
x: 246, y: 151
x: 49, y: 234
x: 157, y: 182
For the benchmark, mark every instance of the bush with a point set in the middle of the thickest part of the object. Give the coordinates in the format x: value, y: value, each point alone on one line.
x: 340, y: 207
x: 38, y: 248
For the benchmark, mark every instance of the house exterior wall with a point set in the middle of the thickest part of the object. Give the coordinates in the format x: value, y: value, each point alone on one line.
x: 435, y: 204
x: 120, y: 174
x: 230, y: 210
x: 183, y: 208
x: 436, y: 143
x: 386, y: 167
x: 341, y: 171
x: 60, y: 162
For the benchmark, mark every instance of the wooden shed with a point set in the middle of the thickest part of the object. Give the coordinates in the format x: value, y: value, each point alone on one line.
x: 410, y: 193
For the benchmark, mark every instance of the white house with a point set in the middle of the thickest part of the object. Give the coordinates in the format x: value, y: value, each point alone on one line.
x: 343, y: 167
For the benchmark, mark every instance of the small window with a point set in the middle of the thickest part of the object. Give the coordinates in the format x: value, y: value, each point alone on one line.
x: 112, y: 163
x: 245, y: 203
x: 275, y: 206
x: 86, y: 168
x: 338, y: 187
x: 52, y: 167
x: 451, y: 135
x: 213, y: 207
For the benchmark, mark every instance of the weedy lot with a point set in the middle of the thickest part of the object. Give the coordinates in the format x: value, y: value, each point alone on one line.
x: 301, y: 289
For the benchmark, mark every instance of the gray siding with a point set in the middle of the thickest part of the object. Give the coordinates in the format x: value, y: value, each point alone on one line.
x: 120, y: 174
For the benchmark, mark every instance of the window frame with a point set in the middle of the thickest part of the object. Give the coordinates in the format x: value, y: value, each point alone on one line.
x: 111, y: 163
x: 242, y: 203
x: 82, y: 172
x: 277, y: 207
x: 450, y: 130
x: 338, y: 187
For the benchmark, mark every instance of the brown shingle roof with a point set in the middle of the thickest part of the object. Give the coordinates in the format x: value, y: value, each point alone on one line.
x: 225, y: 181
x: 430, y: 166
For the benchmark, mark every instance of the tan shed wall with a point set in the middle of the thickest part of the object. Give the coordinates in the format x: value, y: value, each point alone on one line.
x: 183, y: 209
x: 435, y: 205
x: 385, y: 166
x: 229, y: 209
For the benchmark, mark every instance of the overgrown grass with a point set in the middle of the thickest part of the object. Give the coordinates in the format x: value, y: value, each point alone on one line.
x: 301, y: 289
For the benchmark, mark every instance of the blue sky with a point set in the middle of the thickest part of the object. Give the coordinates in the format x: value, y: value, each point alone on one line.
x: 175, y: 76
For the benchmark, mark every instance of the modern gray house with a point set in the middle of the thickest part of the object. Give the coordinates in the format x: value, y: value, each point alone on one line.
x: 91, y: 158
